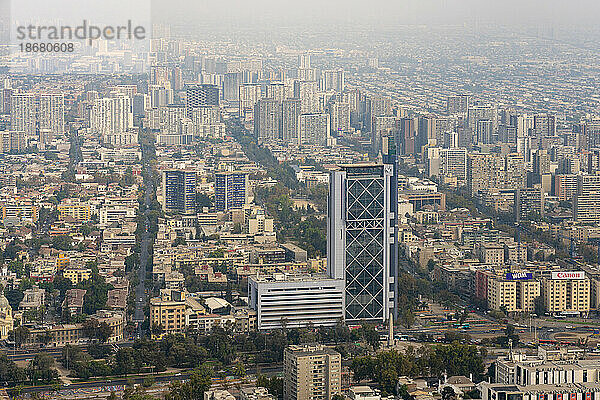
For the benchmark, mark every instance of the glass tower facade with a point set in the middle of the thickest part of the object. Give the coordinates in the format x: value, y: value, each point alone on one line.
x: 361, y: 239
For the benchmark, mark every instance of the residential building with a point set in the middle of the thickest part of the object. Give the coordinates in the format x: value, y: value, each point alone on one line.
x: 231, y: 190
x: 566, y: 292
x: 311, y: 372
x: 179, y: 191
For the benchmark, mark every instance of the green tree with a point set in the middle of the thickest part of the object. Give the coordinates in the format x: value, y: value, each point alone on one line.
x: 41, y: 369
x: 20, y: 335
x: 194, y: 388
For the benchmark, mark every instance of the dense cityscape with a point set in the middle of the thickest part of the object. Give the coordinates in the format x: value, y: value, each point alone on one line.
x: 411, y: 214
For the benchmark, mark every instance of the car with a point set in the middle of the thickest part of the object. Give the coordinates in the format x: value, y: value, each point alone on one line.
x: 141, y: 299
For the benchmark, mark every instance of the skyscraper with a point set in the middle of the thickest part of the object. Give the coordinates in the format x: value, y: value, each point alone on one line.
x: 306, y: 91
x: 267, y: 119
x: 360, y: 239
x: 51, y: 113
x: 289, y: 121
x: 23, y: 114
x: 453, y: 163
x: 231, y: 86
x: 179, y: 191
x: 250, y: 93
x: 586, y: 202
x: 339, y: 113
x: 111, y: 115
x: 408, y: 133
x: 231, y: 190
x: 201, y: 95
x: 458, y: 104
x: 314, y: 129
x: 333, y: 80
x: 39, y: 116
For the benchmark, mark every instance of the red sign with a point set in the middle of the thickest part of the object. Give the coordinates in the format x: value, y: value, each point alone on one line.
x: 568, y: 275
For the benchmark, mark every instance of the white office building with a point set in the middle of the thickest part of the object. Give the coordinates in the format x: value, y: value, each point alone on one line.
x: 296, y: 300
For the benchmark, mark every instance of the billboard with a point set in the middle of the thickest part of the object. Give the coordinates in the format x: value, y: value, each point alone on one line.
x: 519, y: 276
x: 568, y: 275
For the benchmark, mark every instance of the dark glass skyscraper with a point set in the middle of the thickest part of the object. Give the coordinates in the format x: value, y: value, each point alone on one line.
x: 179, y: 191
x: 230, y: 190
x: 201, y: 95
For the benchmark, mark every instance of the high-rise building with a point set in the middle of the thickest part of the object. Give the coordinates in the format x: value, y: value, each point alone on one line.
x: 289, y: 121
x: 360, y: 239
x: 375, y: 106
x: 453, y: 163
x: 5, y: 95
x: 111, y: 115
x: 566, y: 291
x: 314, y: 129
x: 51, y: 113
x: 484, y: 131
x: 477, y: 113
x: 12, y: 141
x: 339, y: 115
x: 564, y: 187
x: 231, y: 86
x: 179, y: 191
x: 458, y: 104
x: 484, y: 171
x: 408, y: 135
x: 333, y: 80
x: 250, y: 93
x: 544, y: 124
x: 311, y: 372
x: 306, y: 91
x: 541, y: 162
x: 426, y: 132
x: 275, y: 90
x: 201, y: 95
x: 231, y: 190
x: 304, y: 61
x: 515, y: 175
x: 267, y: 119
x: 23, y: 114
x: 160, y: 95
x: 529, y: 203
x: 586, y: 204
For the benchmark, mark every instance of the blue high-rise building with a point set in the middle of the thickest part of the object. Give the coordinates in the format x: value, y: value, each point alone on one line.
x: 179, y: 191
x: 230, y: 190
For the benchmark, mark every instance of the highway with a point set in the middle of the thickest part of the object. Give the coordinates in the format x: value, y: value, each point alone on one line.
x: 269, y: 370
x: 146, y: 241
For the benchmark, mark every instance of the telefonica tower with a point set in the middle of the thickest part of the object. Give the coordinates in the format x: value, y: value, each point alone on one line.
x: 361, y: 244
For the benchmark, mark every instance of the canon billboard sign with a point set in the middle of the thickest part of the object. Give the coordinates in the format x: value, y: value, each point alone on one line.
x: 568, y: 275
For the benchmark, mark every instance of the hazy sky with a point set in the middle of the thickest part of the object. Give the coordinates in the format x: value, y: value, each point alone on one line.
x: 376, y: 12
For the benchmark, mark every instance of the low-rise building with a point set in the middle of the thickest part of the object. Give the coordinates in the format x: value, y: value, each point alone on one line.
x: 301, y: 300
